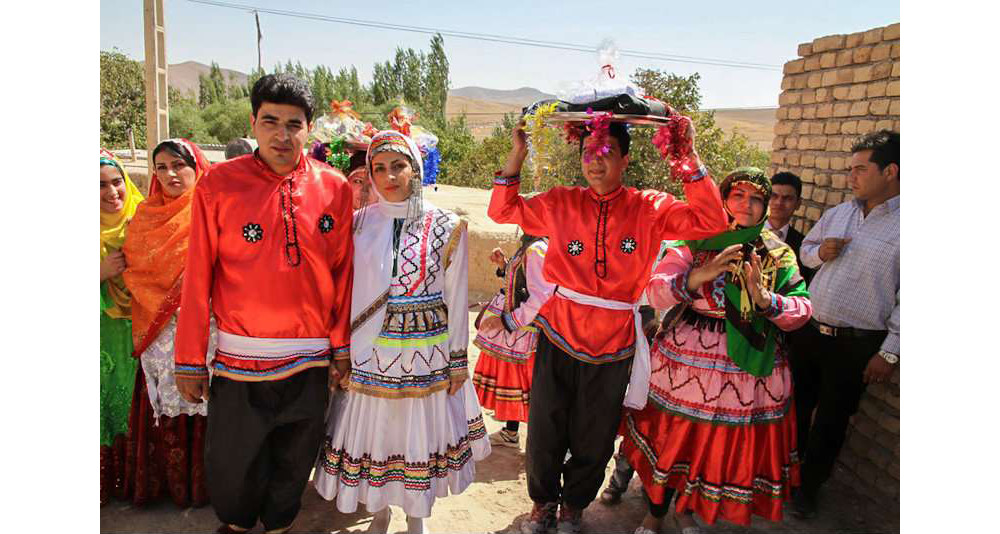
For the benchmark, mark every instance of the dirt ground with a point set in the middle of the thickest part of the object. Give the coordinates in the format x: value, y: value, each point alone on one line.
x: 498, y: 502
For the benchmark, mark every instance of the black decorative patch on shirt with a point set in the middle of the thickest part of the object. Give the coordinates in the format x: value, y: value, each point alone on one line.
x: 628, y: 245
x: 253, y: 233
x: 325, y: 223
x: 575, y: 247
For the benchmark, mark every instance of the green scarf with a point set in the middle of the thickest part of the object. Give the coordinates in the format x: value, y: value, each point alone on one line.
x: 751, y: 338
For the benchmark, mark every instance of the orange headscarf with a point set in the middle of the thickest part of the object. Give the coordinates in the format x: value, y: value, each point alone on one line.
x: 155, y: 250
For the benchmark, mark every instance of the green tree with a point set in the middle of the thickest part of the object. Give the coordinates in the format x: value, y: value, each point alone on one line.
x: 212, y: 88
x: 252, y: 78
x: 123, y: 100
x: 455, y: 142
x: 436, y: 81
x: 186, y: 120
x: 228, y: 120
x: 719, y: 153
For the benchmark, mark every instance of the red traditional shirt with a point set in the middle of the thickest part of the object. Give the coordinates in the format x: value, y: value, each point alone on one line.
x: 604, y: 246
x: 274, y: 256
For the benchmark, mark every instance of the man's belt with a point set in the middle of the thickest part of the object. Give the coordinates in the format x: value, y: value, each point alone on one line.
x: 845, y: 331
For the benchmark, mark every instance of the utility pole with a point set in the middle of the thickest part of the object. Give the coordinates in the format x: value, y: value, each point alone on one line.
x: 157, y: 106
x: 259, y: 37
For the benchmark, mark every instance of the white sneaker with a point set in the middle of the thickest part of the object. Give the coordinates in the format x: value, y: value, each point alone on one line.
x: 643, y: 530
x: 505, y: 438
x: 690, y: 529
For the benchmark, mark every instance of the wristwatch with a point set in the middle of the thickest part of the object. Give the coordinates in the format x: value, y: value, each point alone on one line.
x: 889, y: 357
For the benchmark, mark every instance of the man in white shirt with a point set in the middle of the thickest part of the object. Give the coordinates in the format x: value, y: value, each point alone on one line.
x: 853, y: 337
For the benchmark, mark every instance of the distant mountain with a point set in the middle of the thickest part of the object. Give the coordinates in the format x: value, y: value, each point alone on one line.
x: 517, y: 97
x: 184, y: 76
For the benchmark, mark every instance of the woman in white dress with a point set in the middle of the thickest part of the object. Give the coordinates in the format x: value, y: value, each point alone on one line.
x: 409, y: 428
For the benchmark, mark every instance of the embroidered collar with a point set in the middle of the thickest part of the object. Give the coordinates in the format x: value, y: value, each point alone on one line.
x: 300, y: 168
x: 607, y: 196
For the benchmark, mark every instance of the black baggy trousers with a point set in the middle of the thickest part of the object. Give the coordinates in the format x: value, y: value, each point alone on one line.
x: 261, y: 444
x: 828, y: 375
x: 574, y: 406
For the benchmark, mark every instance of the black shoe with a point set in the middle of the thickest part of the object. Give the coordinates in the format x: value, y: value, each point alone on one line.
x: 803, y: 506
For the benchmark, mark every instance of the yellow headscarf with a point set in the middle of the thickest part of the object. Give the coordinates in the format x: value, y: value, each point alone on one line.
x: 113, y: 237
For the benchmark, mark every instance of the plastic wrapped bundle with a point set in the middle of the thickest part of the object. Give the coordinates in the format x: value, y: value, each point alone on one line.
x: 606, y: 84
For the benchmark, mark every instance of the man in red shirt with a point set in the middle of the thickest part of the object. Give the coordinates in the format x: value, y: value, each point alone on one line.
x: 271, y: 258
x: 603, y: 240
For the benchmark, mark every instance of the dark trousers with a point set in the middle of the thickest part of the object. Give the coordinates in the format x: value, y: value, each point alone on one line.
x: 574, y: 406
x: 622, y: 474
x: 827, y: 373
x: 261, y: 444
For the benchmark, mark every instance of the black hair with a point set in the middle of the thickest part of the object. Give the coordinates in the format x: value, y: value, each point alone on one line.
x: 237, y: 147
x: 788, y: 178
x: 282, y: 89
x: 357, y: 161
x: 619, y: 131
x: 175, y: 149
x: 884, y: 145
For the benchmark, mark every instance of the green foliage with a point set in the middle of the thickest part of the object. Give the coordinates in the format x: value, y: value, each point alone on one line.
x: 186, y: 120
x: 228, y: 120
x: 480, y: 160
x: 455, y: 142
x: 720, y: 154
x: 123, y: 100
x: 418, y: 79
x: 212, y: 88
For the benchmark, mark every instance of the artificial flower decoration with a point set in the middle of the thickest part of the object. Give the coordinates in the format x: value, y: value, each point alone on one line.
x: 400, y: 119
x: 600, y: 143
x: 675, y: 144
x: 343, y: 107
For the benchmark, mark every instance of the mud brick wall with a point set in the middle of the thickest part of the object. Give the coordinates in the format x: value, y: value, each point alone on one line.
x: 840, y: 87
x: 869, y: 460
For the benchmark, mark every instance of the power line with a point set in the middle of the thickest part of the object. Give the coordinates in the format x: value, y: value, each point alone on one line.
x: 486, y: 37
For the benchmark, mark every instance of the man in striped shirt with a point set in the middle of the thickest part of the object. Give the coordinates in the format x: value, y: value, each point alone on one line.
x: 853, y: 337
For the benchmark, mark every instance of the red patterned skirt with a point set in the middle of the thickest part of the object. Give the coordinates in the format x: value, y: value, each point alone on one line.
x: 723, y: 439
x: 504, y: 386
x: 164, y: 459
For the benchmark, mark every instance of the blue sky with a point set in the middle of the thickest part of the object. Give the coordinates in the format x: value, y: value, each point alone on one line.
x: 758, y: 32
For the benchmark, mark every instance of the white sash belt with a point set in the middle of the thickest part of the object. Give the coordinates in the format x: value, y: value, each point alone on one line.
x: 638, y: 384
x: 269, y: 348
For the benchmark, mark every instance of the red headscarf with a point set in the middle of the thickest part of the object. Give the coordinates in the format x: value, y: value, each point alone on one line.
x: 155, y: 250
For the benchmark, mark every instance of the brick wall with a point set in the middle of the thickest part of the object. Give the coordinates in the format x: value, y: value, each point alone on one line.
x: 841, y: 87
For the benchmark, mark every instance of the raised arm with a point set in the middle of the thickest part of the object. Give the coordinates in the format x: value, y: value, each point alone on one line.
x: 506, y: 203
x: 700, y: 217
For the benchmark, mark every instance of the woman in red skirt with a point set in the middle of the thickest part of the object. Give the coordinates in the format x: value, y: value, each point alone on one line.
x: 166, y: 438
x: 719, y: 429
x: 507, y: 340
